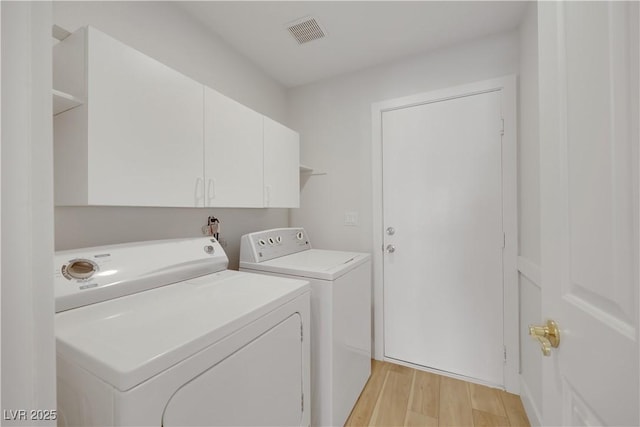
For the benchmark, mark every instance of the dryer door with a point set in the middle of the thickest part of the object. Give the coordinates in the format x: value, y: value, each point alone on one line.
x: 260, y: 384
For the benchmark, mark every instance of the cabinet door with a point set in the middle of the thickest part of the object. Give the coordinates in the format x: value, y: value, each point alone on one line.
x: 281, y: 165
x: 233, y: 153
x: 145, y: 129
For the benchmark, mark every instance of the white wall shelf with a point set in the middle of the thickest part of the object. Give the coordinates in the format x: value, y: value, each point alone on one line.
x: 64, y: 101
x: 59, y: 33
x: 307, y: 170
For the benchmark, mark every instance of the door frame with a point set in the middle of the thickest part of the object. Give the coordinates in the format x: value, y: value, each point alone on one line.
x: 511, y: 309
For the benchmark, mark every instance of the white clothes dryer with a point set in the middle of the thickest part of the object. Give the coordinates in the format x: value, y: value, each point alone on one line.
x: 340, y: 313
x: 162, y: 334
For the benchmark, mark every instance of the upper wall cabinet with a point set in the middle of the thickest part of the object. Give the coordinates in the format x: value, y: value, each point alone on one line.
x: 233, y: 153
x: 146, y: 135
x: 137, y: 140
x: 281, y: 165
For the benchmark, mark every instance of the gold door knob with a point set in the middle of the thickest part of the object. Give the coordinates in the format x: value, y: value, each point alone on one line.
x: 548, y: 335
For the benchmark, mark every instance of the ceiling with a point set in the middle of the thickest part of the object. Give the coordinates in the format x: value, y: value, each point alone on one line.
x: 360, y: 34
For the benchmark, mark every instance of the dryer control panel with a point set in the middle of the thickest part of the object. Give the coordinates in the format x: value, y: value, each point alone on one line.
x: 275, y: 243
x: 89, y: 275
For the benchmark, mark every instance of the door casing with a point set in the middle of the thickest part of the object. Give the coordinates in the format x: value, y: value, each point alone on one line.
x: 507, y: 86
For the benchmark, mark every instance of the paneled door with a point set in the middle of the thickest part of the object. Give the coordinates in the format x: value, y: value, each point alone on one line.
x: 589, y: 210
x: 443, y: 225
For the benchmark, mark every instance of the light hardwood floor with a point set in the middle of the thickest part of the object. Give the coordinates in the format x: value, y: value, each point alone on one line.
x: 399, y: 396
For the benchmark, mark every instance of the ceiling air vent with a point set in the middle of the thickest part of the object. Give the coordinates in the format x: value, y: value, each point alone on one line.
x: 305, y: 30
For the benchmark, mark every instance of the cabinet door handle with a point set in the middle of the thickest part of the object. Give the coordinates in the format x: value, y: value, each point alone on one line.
x: 211, y: 189
x: 199, y: 192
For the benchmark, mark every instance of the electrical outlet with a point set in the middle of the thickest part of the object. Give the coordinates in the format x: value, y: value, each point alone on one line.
x: 351, y: 219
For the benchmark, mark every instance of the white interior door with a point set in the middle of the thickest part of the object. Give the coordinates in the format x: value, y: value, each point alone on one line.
x: 589, y: 218
x: 442, y: 208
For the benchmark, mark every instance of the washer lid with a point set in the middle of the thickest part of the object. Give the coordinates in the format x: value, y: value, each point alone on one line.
x: 313, y: 263
x: 130, y: 339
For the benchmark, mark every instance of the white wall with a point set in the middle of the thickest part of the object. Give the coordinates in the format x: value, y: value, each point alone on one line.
x: 334, y: 121
x: 164, y: 31
x: 529, y: 214
x: 28, y: 345
x: 78, y: 227
x: 167, y: 33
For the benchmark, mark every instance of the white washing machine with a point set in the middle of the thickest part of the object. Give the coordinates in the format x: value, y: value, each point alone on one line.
x: 340, y: 313
x: 162, y: 334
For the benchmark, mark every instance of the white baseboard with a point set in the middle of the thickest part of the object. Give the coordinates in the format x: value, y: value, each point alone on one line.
x: 535, y: 418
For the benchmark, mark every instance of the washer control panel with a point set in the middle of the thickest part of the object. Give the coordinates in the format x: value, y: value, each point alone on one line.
x: 269, y: 244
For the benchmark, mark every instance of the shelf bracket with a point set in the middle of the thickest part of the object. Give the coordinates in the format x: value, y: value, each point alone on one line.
x: 59, y: 33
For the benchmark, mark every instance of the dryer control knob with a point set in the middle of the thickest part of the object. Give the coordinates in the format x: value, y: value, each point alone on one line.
x: 80, y: 269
